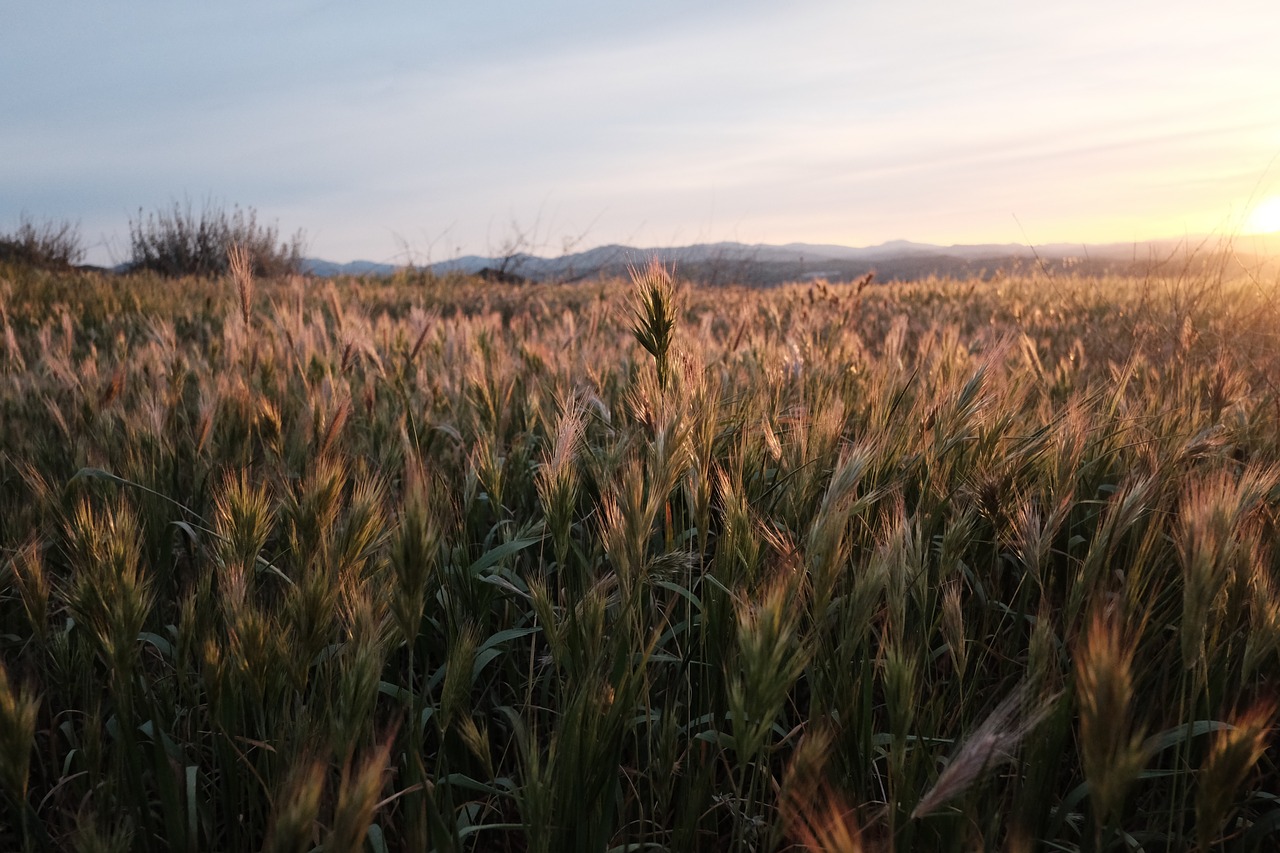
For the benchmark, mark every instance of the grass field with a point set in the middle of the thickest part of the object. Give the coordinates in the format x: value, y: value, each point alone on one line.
x: 420, y: 564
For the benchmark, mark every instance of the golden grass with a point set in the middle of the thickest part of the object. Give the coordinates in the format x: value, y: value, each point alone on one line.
x: 438, y: 564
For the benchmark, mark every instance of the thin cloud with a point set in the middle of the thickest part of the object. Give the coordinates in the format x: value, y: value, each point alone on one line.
x: 823, y: 122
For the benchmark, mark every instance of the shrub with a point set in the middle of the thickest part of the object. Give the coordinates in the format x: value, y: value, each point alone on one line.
x: 50, y: 244
x: 178, y: 242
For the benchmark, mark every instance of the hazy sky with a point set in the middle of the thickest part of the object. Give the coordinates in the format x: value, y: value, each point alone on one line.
x: 450, y: 127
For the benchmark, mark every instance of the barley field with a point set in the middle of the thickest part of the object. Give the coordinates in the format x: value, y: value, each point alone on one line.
x: 434, y: 564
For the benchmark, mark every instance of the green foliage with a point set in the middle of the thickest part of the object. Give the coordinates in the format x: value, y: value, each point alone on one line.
x: 424, y: 565
x: 180, y: 242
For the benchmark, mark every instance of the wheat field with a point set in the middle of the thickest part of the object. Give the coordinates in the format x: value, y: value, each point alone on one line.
x: 434, y: 564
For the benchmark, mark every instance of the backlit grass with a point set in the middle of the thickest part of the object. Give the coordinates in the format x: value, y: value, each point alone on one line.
x: 426, y: 564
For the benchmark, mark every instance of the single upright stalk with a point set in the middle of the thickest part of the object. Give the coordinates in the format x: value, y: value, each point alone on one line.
x: 654, y: 315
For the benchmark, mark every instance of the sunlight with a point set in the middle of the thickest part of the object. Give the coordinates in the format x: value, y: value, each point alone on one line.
x: 1265, y: 218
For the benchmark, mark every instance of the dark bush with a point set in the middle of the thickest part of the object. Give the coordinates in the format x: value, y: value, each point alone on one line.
x: 49, y: 244
x: 180, y: 242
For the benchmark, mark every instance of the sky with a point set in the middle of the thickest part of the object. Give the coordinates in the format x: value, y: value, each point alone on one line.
x: 397, y: 131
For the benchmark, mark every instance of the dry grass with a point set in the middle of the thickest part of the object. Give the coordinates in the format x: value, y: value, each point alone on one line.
x: 413, y: 564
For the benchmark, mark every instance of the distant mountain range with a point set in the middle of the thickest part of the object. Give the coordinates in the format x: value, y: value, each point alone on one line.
x: 762, y: 264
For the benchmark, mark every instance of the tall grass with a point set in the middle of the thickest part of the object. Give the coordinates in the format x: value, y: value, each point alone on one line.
x: 424, y: 565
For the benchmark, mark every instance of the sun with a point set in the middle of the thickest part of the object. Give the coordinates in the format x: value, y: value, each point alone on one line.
x: 1265, y: 218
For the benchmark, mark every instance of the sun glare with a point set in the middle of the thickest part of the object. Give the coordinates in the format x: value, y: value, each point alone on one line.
x: 1265, y: 218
